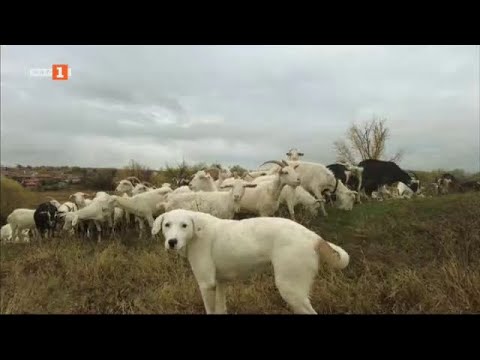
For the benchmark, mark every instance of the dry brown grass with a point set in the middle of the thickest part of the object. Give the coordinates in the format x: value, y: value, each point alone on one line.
x: 418, y: 256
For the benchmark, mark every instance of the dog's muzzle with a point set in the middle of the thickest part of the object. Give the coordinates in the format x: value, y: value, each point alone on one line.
x: 172, y: 243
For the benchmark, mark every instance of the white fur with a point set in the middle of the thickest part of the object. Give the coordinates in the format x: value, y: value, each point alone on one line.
x: 182, y: 189
x: 20, y: 220
x: 317, y: 178
x: 226, y: 250
x: 202, y: 181
x: 142, y: 205
x: 264, y: 199
x: 6, y: 234
x: 299, y: 196
x: 221, y: 204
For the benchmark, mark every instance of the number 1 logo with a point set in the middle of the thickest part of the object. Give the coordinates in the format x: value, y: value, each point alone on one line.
x: 60, y: 72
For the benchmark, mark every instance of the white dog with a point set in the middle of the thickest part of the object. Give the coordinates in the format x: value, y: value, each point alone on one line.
x: 221, y: 250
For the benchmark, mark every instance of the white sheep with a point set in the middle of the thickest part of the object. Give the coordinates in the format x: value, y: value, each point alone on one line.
x: 223, y: 174
x: 319, y: 180
x: 96, y: 211
x: 20, y: 220
x: 294, y: 154
x: 142, y: 205
x: 221, y: 204
x: 294, y: 196
x: 140, y: 189
x: 264, y: 199
x: 220, y: 251
x: 79, y: 198
x: 202, y: 181
x: 299, y: 196
x: 54, y: 202
x: 6, y: 234
x: 182, y: 189
x: 125, y: 187
x: 404, y: 191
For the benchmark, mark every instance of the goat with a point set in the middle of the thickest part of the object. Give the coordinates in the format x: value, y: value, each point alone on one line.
x: 202, y: 181
x: 45, y: 217
x: 141, y: 205
x: 20, y: 220
x: 221, y: 204
x: 264, y: 199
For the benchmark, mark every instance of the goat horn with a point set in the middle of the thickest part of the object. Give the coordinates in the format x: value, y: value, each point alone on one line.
x: 274, y: 162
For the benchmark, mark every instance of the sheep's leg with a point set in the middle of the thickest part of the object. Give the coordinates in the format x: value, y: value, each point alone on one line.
x: 127, y: 218
x: 99, y: 230
x: 141, y: 224
x: 320, y: 197
x: 150, y: 220
x: 14, y: 231
x: 291, y: 210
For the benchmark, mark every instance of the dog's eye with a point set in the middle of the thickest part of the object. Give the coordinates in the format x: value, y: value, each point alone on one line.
x: 167, y: 225
x: 184, y: 226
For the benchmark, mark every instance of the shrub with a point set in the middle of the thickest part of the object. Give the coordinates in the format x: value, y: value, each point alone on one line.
x: 13, y: 196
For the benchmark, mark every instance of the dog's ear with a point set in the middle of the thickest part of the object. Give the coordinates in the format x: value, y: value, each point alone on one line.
x: 197, y: 225
x: 157, y: 224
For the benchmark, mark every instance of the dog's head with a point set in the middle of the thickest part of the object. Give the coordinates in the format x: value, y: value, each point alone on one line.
x: 178, y: 228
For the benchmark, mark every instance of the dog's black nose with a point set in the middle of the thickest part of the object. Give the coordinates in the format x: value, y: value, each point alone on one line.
x: 172, y: 243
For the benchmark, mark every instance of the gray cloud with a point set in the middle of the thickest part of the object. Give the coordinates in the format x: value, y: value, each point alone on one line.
x: 237, y: 104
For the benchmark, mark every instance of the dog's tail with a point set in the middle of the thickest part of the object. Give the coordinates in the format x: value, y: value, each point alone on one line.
x: 332, y: 254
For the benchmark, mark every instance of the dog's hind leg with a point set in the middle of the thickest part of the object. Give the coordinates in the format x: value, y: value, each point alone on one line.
x: 220, y: 301
x: 294, y: 280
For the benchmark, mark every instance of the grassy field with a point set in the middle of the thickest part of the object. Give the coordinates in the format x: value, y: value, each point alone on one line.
x: 417, y: 256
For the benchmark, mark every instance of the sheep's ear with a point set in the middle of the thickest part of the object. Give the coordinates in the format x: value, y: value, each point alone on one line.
x: 250, y: 185
x: 70, y: 197
x: 288, y: 154
x: 296, y: 166
x: 226, y: 186
x: 300, y: 154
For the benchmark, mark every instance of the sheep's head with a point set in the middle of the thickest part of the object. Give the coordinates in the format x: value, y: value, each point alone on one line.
x: 238, y: 187
x: 315, y: 206
x: 124, y: 186
x: 101, y: 195
x: 79, y: 198
x: 294, y: 154
x: 139, y: 189
x: 345, y: 198
x: 287, y: 173
x: 55, y: 203
x: 224, y: 174
x: 201, y: 181
x: 134, y: 180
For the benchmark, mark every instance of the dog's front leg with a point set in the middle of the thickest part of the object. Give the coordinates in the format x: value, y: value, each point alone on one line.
x: 208, y: 296
x: 204, y: 272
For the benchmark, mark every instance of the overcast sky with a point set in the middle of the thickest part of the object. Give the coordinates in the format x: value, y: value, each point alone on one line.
x: 237, y: 104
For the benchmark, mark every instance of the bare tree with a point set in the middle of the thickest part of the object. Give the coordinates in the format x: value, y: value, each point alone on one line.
x: 365, y: 141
